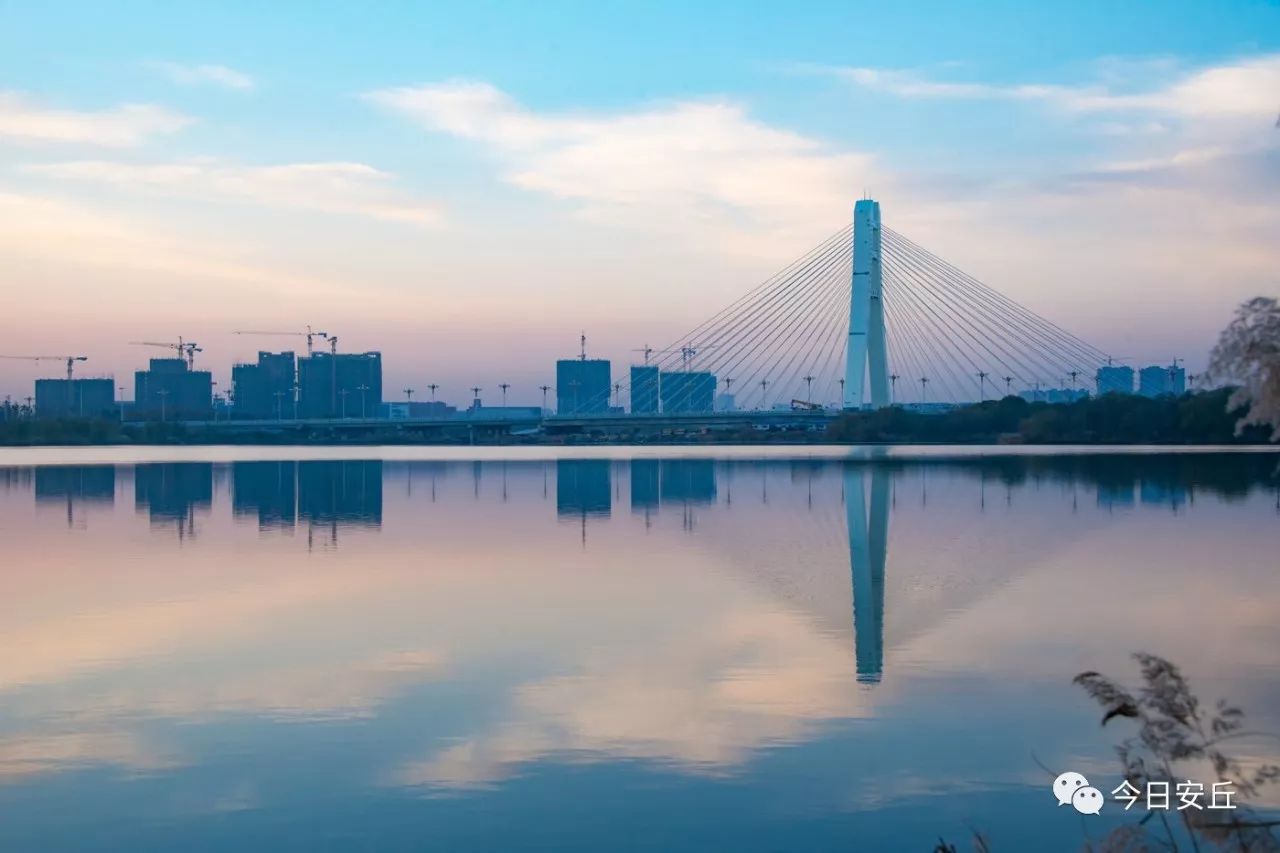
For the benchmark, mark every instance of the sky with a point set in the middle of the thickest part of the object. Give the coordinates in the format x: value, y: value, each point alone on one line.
x: 468, y: 187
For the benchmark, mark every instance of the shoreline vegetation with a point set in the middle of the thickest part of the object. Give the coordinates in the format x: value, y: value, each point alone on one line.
x: 1190, y: 419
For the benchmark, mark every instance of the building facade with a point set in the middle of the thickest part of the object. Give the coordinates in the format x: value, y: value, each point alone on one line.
x: 1157, y: 381
x: 687, y: 392
x: 75, y: 398
x: 171, y: 391
x: 1114, y: 379
x: 582, y: 386
x: 644, y: 389
x: 343, y: 385
x: 265, y: 389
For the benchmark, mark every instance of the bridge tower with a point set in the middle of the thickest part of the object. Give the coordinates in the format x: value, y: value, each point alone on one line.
x: 866, y: 355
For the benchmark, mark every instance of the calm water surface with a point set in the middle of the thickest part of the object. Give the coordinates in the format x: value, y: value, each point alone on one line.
x: 668, y: 652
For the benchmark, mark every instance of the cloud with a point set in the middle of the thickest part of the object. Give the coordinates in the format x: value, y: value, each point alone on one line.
x: 143, y: 256
x: 1248, y: 88
x: 703, y: 167
x: 339, y: 188
x: 122, y: 126
x: 195, y: 75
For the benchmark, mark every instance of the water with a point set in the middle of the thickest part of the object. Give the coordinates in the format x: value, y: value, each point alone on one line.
x: 210, y: 648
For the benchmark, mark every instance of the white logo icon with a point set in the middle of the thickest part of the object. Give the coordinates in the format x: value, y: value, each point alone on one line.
x: 1087, y: 800
x: 1066, y: 785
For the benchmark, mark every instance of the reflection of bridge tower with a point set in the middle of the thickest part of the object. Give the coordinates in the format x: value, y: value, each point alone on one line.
x: 868, y: 550
x: 866, y: 352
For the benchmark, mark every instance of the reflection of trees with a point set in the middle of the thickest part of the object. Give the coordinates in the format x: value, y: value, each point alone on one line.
x: 1228, y: 475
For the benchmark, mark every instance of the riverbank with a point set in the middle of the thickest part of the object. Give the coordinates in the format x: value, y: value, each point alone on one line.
x: 1192, y: 419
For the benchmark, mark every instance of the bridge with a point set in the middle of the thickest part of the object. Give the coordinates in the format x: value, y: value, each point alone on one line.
x: 867, y: 318
x: 466, y: 426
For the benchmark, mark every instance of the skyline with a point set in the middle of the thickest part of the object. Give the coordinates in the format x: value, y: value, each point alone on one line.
x: 438, y: 185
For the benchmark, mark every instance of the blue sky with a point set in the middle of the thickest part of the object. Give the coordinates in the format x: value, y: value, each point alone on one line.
x: 450, y: 183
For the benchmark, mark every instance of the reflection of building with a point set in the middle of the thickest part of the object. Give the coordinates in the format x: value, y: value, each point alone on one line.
x: 583, y: 487
x: 687, y: 391
x: 645, y: 484
x: 868, y: 551
x: 689, y: 480
x: 342, y: 385
x: 334, y: 493
x: 1172, y: 495
x: 170, y: 390
x: 75, y: 398
x: 582, y: 386
x: 683, y: 481
x: 267, y: 490
x: 171, y: 491
x: 1114, y: 379
x: 71, y: 485
x: 349, y: 492
x: 644, y: 389
x: 1113, y: 495
x: 265, y: 389
x: 89, y: 483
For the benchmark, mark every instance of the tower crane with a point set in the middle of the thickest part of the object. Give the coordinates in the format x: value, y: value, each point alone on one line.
x: 310, y: 334
x: 687, y: 352
x: 69, y: 359
x: 183, y: 348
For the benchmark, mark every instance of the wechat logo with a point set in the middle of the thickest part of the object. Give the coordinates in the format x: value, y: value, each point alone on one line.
x: 1072, y: 789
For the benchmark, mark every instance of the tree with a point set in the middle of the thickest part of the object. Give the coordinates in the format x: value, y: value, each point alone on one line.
x: 1248, y: 353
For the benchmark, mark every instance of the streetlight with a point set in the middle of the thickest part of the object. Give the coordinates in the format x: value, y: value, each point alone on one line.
x: 808, y: 389
x: 924, y: 388
x: 504, y: 386
x: 362, y: 389
x: 544, y: 389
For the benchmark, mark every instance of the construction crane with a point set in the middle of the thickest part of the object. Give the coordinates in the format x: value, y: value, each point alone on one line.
x: 687, y: 352
x: 183, y: 348
x: 69, y: 359
x: 309, y: 334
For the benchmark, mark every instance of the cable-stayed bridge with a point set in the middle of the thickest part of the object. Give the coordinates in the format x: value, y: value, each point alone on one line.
x: 869, y: 318
x: 865, y: 319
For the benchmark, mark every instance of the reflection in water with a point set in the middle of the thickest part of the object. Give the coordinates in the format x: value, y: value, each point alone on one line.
x: 583, y: 488
x: 868, y: 551
x: 791, y: 658
x: 73, y: 485
x: 171, y: 492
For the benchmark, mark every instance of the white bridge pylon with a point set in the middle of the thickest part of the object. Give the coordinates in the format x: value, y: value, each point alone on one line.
x: 866, y: 359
